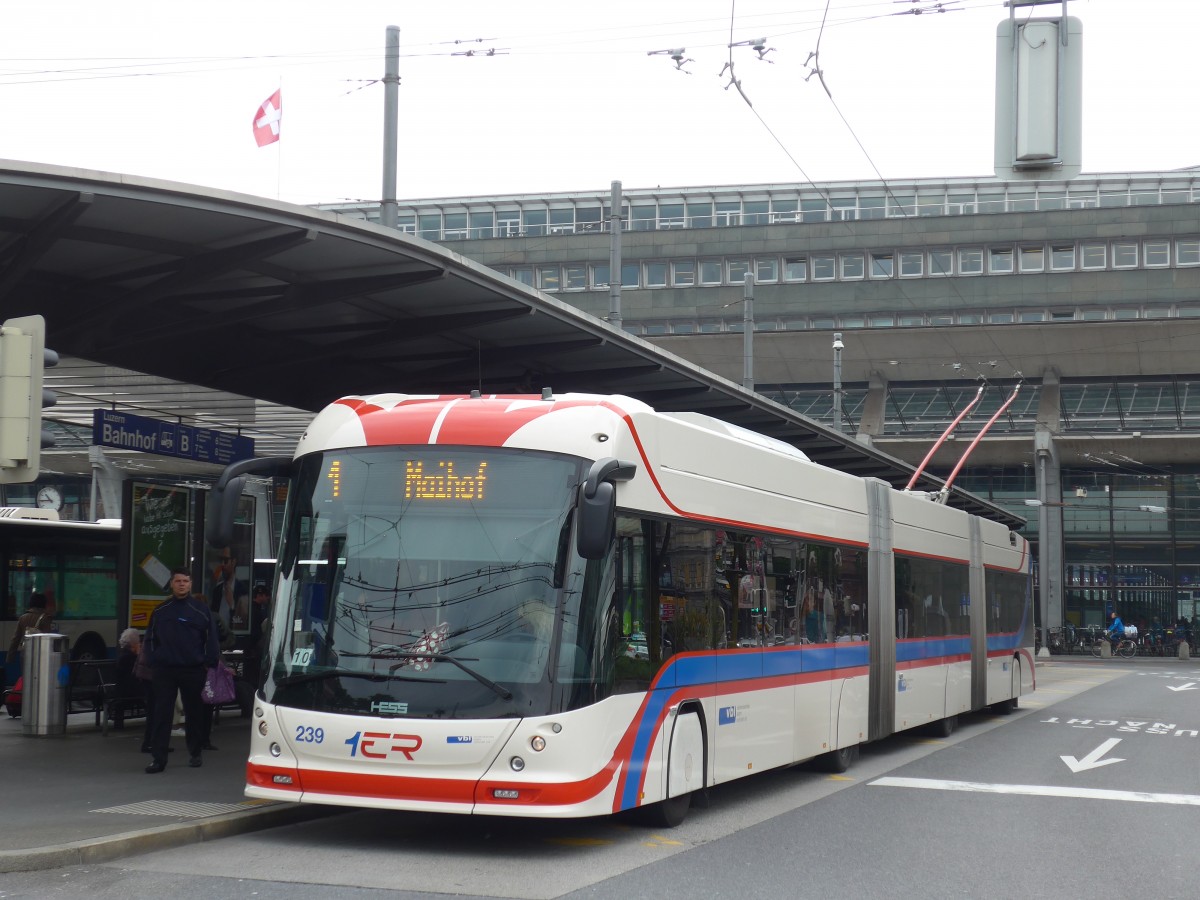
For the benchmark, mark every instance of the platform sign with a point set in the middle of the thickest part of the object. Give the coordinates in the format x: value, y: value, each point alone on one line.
x: 126, y: 431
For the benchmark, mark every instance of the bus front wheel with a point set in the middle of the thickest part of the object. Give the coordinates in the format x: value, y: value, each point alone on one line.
x: 665, y: 813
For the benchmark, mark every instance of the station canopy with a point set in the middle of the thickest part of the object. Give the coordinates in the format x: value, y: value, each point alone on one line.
x: 237, y: 312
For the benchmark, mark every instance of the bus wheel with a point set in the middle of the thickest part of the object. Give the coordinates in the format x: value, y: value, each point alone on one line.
x: 666, y: 813
x: 837, y: 761
x: 942, y: 728
x: 1004, y: 707
x: 89, y: 646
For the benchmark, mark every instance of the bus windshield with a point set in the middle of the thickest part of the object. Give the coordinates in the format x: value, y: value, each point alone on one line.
x: 423, y: 582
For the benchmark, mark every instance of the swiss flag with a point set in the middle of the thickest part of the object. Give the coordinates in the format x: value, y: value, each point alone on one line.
x: 268, y: 118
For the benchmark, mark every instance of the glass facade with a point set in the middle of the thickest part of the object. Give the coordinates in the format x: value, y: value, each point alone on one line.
x: 1131, y: 541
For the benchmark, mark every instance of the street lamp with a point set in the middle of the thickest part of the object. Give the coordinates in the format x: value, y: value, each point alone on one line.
x: 747, y: 302
x: 837, y: 380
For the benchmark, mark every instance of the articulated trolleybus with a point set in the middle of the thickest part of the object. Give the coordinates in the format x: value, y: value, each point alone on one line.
x: 576, y: 605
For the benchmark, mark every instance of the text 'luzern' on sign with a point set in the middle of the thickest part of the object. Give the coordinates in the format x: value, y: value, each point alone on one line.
x: 125, y: 431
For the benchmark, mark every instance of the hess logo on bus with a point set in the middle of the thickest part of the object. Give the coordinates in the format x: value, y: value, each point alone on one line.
x: 382, y: 745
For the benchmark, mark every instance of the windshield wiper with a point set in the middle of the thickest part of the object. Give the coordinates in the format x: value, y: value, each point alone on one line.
x: 325, y: 674
x: 407, y: 655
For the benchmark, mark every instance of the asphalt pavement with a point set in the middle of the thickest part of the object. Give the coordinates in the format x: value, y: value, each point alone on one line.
x: 82, y: 797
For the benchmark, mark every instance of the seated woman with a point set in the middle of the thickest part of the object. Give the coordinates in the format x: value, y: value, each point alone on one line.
x: 129, y: 643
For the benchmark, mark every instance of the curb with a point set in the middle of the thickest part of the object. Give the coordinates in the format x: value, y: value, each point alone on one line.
x: 129, y: 843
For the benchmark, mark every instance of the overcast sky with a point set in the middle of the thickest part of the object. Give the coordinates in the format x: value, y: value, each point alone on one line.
x: 572, y: 98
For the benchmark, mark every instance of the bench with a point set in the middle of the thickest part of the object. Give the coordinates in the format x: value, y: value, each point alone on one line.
x: 85, y: 686
x: 93, y: 687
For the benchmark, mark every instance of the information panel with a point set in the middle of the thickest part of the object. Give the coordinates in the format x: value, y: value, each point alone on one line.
x: 126, y: 431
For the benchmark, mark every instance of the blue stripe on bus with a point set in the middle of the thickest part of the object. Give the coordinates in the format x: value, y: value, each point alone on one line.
x: 1005, y: 641
x: 724, y: 667
x: 932, y: 648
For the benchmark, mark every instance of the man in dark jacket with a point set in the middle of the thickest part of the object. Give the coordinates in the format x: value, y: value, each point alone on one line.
x: 181, y: 644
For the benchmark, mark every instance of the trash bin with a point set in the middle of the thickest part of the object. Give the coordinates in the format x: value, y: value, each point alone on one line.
x: 46, y: 672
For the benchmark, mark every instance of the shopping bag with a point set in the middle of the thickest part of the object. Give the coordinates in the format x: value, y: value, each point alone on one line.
x: 218, y: 686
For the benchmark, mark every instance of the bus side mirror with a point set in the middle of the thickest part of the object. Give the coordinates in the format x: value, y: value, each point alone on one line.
x: 595, y: 519
x: 219, y: 511
x: 222, y: 503
x: 597, y: 508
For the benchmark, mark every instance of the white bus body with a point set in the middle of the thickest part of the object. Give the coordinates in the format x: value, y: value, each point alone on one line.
x: 751, y: 609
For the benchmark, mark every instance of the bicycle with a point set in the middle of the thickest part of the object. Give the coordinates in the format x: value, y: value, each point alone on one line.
x: 1126, y: 648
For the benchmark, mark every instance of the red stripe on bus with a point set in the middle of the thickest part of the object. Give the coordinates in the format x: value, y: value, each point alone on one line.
x: 490, y: 425
x: 567, y: 793
x: 264, y: 776
x: 389, y: 787
x: 381, y: 426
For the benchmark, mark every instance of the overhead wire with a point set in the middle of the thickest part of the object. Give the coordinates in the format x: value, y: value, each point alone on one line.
x: 815, y: 58
x: 824, y: 196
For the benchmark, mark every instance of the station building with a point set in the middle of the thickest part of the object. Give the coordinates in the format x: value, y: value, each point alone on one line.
x: 1084, y: 292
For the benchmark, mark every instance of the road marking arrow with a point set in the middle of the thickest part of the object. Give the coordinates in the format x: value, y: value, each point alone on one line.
x: 1190, y: 686
x: 1092, y: 760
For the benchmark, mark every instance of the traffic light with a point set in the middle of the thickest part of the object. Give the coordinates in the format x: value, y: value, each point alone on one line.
x: 23, y: 358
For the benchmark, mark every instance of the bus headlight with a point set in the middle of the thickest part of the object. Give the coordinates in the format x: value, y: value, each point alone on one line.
x: 262, y: 728
x: 538, y: 743
x: 516, y: 764
x: 275, y: 749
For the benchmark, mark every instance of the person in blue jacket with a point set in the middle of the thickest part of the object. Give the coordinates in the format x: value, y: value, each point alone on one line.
x: 1116, y: 629
x: 181, y: 645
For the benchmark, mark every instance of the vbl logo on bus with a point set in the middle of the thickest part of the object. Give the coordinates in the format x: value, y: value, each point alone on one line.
x: 381, y: 744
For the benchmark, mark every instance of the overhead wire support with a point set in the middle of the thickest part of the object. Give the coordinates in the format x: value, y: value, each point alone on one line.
x: 941, y: 7
x: 491, y: 51
x: 759, y: 46
x: 677, y: 54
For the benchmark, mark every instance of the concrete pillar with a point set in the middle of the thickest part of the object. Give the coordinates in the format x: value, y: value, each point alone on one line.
x: 1183, y: 650
x: 870, y: 425
x: 1105, y: 649
x: 106, y: 485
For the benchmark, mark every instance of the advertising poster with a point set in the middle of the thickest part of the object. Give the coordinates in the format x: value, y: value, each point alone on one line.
x: 158, y: 544
x: 228, y: 571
